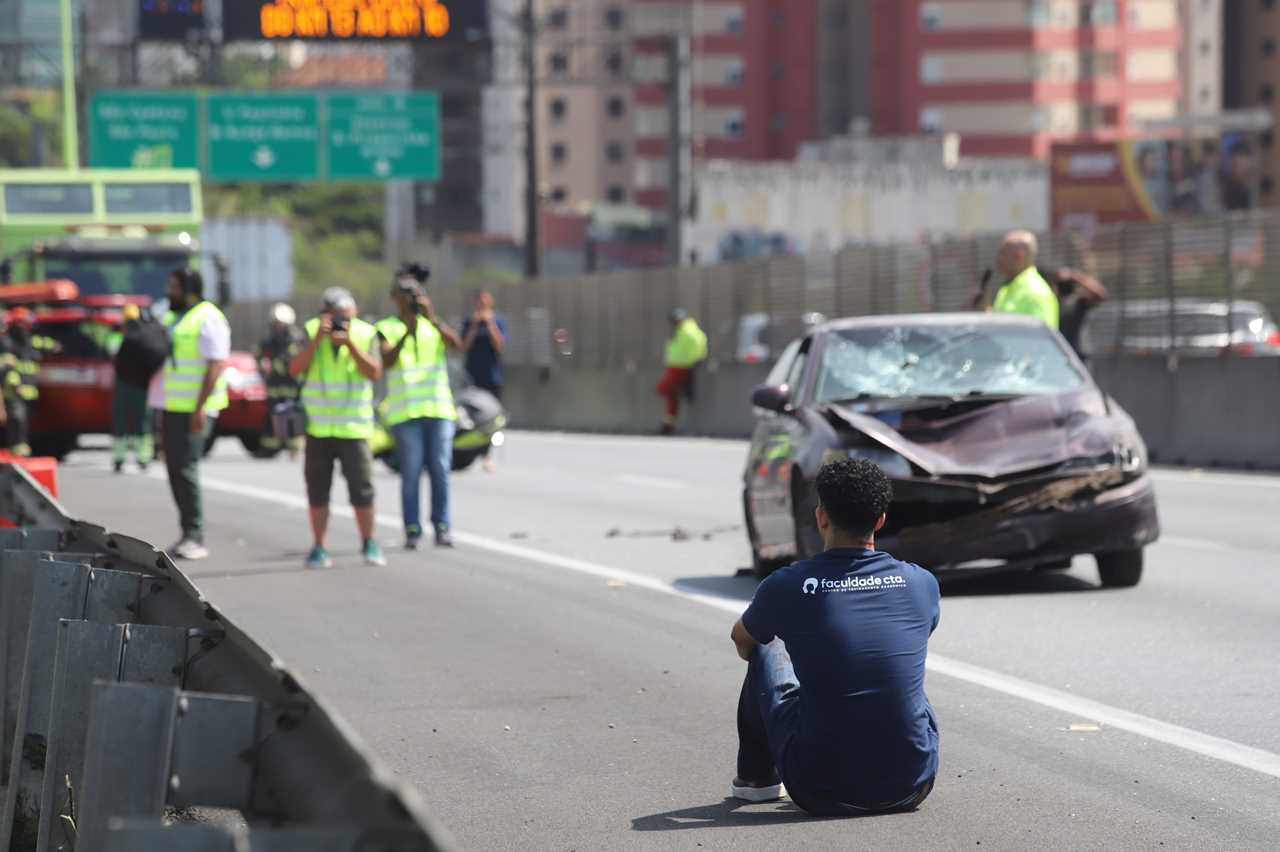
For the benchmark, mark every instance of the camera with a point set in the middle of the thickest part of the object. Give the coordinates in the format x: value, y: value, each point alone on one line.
x: 339, y: 322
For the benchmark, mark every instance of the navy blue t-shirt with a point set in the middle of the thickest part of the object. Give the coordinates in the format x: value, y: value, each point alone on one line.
x: 484, y: 364
x: 856, y: 624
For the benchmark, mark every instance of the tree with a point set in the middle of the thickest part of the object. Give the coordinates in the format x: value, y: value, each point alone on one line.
x: 15, y: 138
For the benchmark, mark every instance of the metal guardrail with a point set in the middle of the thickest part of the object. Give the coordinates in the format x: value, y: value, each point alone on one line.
x: 127, y: 698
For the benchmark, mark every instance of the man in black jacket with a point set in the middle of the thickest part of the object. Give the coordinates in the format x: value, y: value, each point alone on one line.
x: 142, y: 351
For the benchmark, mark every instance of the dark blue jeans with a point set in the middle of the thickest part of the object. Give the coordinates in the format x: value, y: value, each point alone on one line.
x: 768, y: 723
x: 426, y: 441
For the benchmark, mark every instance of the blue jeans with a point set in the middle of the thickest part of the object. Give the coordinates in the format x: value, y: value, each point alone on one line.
x: 768, y: 723
x: 427, y: 441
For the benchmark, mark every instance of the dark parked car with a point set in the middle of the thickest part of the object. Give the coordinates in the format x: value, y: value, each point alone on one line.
x: 1003, y: 452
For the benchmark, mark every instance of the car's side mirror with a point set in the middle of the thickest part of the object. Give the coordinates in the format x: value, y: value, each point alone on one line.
x: 776, y: 398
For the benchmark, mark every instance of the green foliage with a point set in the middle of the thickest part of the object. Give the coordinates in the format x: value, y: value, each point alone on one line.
x: 15, y: 138
x: 337, y: 230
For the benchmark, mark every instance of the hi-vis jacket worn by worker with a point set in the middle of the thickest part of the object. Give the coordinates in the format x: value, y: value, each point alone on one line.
x: 418, y: 385
x: 184, y: 369
x: 337, y: 398
x: 687, y: 346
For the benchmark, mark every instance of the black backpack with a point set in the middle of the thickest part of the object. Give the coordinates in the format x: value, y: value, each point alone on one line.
x: 146, y: 345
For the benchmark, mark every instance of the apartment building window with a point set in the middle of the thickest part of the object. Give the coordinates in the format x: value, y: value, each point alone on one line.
x: 1100, y: 13
x: 557, y: 19
x: 617, y: 194
x: 735, y: 128
x: 559, y: 153
x: 614, y: 63
x: 614, y: 18
x: 1266, y: 93
x: 616, y: 107
x: 1099, y: 63
x: 930, y: 17
x: 735, y: 75
x: 615, y: 152
x: 559, y: 62
x: 559, y: 194
x: 559, y: 109
x: 1268, y: 47
x: 1098, y: 116
x: 734, y: 23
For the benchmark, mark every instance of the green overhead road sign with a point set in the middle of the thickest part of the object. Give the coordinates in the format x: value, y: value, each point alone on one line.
x: 380, y: 136
x: 268, y: 137
x: 272, y: 137
x: 145, y: 130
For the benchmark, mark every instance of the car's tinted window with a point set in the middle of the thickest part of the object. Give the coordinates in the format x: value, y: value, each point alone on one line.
x: 944, y: 361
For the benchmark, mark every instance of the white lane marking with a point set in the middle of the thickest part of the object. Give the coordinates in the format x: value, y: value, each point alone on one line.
x: 651, y: 482
x: 1207, y: 745
x: 1193, y: 477
x: 1194, y: 543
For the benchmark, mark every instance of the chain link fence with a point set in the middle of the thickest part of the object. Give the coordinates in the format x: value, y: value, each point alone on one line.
x: 1155, y: 273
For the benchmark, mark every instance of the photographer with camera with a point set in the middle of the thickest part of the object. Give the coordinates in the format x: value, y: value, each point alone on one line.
x: 420, y: 410
x: 339, y: 367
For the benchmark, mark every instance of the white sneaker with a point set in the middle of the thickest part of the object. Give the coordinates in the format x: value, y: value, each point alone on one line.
x: 750, y: 793
x: 190, y: 549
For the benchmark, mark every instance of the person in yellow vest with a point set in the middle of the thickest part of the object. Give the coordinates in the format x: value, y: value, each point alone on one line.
x: 419, y: 403
x: 190, y: 391
x: 686, y: 348
x: 20, y: 354
x: 1025, y: 291
x: 338, y: 367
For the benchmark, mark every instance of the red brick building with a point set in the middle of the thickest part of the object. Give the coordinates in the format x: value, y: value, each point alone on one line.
x: 1012, y: 76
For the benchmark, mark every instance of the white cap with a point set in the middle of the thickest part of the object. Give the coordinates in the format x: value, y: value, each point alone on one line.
x: 283, y: 314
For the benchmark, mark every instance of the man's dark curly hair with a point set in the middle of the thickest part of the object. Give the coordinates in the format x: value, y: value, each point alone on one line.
x: 855, y: 493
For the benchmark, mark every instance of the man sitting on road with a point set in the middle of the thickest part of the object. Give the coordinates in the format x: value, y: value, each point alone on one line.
x: 855, y: 734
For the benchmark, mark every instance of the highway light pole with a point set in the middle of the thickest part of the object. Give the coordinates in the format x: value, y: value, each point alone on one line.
x: 70, y: 130
x: 532, y: 208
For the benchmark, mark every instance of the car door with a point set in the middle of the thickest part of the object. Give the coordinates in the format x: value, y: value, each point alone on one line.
x: 768, y: 475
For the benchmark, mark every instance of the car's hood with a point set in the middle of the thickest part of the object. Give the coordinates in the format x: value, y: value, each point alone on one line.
x: 996, y: 439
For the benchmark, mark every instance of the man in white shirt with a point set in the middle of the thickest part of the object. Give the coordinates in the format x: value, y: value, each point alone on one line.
x: 190, y: 392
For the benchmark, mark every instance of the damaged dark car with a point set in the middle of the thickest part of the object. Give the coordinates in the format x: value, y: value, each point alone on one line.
x: 1004, y: 453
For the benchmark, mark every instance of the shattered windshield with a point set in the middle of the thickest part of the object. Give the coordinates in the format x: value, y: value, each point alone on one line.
x: 952, y: 361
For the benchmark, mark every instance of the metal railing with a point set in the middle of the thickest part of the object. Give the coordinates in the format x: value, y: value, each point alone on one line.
x: 619, y: 320
x: 126, y: 697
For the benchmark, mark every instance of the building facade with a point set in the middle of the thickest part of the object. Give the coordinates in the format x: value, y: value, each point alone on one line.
x: 1013, y: 76
x: 1252, y: 78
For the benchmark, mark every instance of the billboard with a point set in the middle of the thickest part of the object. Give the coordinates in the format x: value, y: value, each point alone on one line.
x: 1146, y: 180
x: 355, y: 20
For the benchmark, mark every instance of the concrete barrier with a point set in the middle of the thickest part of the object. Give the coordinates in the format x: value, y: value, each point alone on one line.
x: 1200, y: 411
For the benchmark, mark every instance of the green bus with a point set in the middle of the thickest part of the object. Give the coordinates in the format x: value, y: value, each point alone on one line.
x: 111, y: 231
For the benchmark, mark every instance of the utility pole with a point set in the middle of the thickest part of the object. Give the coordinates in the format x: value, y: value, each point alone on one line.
x: 678, y: 155
x: 70, y: 129
x: 532, y: 208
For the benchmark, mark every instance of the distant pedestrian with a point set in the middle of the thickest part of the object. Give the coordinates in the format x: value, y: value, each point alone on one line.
x: 686, y: 348
x: 275, y: 354
x: 419, y: 406
x: 144, y: 345
x: 833, y: 704
x: 191, y: 391
x: 484, y: 338
x: 1024, y: 290
x: 339, y: 366
x: 1078, y: 294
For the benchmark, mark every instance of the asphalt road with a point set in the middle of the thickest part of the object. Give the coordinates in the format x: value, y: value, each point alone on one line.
x: 564, y: 679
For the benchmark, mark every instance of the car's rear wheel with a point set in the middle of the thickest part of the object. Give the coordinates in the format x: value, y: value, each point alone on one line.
x: 1120, y: 569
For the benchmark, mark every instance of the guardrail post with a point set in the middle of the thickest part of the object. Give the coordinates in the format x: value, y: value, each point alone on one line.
x: 88, y: 651
x: 149, y: 747
x: 136, y: 835
x: 60, y: 590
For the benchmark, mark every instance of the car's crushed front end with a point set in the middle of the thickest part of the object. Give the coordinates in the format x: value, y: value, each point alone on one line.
x: 1027, y: 482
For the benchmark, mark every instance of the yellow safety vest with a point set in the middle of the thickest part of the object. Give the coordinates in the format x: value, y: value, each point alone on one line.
x: 417, y: 386
x: 338, y: 400
x: 184, y: 369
